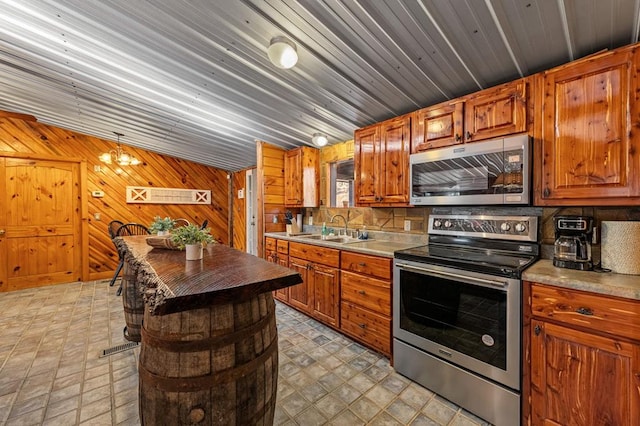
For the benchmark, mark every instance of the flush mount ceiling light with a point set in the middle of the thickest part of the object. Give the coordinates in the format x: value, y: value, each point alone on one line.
x: 119, y: 156
x: 319, y: 139
x: 282, y: 52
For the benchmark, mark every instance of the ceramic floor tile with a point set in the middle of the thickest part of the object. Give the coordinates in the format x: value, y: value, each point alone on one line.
x: 51, y: 372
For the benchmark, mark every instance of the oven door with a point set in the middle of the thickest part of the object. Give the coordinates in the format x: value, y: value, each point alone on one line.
x: 469, y: 319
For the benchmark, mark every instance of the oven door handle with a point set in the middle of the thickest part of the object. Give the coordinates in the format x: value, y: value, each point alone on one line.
x: 492, y: 283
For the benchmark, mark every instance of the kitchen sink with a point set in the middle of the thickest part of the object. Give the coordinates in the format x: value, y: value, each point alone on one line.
x: 334, y: 239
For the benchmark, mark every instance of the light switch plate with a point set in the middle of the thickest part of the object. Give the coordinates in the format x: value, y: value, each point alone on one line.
x: 97, y: 194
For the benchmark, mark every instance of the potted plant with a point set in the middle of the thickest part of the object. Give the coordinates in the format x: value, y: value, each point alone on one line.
x: 161, y: 226
x: 191, y: 238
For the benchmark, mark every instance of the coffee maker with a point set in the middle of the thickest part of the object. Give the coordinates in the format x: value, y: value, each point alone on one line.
x: 572, y: 248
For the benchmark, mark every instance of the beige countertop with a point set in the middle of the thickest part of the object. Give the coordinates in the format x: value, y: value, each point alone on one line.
x: 543, y: 271
x: 378, y: 245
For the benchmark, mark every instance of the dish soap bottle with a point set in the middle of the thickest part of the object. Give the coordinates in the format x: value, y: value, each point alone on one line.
x: 324, y: 232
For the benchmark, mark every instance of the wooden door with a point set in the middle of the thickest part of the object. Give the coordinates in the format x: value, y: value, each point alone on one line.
x: 496, y: 112
x: 299, y: 296
x: 293, y: 178
x: 366, y: 160
x: 437, y: 126
x: 393, y: 179
x: 283, y: 293
x: 582, y: 379
x: 589, y: 150
x: 326, y: 292
x: 40, y: 223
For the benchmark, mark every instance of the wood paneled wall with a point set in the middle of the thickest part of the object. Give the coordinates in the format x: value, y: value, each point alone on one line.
x: 239, y: 210
x: 270, y: 186
x: 24, y: 136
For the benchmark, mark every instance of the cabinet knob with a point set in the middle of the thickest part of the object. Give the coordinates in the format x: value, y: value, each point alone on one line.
x: 2, y: 231
x: 458, y: 137
x: 363, y: 264
x: 584, y: 311
x: 537, y: 330
x: 546, y: 193
x: 362, y: 292
x: 468, y: 135
x: 362, y: 325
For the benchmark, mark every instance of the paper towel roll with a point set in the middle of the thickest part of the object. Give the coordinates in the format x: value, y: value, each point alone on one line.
x: 620, y: 247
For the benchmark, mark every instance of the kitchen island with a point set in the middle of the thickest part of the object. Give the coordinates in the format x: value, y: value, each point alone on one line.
x: 209, y: 339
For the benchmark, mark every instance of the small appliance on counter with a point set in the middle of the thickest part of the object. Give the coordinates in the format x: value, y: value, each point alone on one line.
x: 572, y: 248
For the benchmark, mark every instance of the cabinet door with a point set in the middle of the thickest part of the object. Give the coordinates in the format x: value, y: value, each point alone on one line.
x: 496, y: 112
x: 582, y: 379
x: 436, y: 127
x: 326, y: 293
x: 299, y: 296
x: 589, y: 151
x: 283, y: 293
x: 366, y: 159
x: 293, y: 177
x: 393, y: 175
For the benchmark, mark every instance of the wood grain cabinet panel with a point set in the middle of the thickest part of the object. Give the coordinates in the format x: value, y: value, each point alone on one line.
x: 490, y: 113
x: 584, y: 358
x: 302, y: 177
x: 437, y: 126
x: 589, y: 141
x: 495, y: 112
x: 381, y: 156
x: 366, y: 264
x: 370, y: 328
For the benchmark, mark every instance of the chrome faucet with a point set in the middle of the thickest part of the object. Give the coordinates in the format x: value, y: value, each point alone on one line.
x: 345, y: 222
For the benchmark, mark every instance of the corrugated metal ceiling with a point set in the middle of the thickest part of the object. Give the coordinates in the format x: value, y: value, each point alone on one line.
x: 192, y: 78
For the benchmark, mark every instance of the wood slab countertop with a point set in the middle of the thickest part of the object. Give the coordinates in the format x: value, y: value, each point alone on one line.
x: 172, y: 284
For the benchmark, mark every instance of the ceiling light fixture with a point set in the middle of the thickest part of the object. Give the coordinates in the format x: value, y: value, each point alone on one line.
x: 119, y: 156
x: 282, y: 52
x: 319, y: 139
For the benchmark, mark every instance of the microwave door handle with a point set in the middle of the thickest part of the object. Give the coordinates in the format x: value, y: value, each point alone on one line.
x: 491, y: 283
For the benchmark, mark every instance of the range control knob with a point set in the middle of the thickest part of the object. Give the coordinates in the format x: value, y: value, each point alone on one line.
x: 505, y: 226
x: 447, y: 224
x: 437, y: 223
x: 521, y: 227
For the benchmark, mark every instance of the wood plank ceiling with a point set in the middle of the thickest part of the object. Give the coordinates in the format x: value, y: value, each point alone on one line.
x: 192, y: 79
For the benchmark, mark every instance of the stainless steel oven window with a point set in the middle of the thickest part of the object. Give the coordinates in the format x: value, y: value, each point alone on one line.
x: 500, y: 361
x: 464, y: 317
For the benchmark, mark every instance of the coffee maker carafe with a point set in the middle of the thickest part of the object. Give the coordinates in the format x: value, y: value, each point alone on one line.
x: 572, y: 248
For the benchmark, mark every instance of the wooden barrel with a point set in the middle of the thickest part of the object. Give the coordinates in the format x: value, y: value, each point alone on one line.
x: 132, y: 302
x: 212, y: 366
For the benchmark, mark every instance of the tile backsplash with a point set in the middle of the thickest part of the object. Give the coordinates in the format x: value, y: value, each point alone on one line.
x: 392, y: 219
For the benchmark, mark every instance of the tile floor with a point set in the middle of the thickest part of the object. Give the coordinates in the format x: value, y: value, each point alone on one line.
x: 51, y: 372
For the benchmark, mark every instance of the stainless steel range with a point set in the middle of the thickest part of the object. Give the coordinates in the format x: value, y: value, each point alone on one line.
x: 457, y: 311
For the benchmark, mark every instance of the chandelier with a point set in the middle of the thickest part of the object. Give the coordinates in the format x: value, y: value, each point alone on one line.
x: 119, y: 156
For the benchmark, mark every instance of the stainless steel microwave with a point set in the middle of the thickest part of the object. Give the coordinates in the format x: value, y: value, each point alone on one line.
x: 496, y: 171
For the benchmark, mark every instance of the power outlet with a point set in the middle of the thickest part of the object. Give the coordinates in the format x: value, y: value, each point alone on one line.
x: 407, y: 225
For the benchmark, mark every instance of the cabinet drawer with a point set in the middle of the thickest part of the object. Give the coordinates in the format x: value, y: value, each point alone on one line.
x: 597, y: 312
x: 322, y: 255
x: 367, y: 292
x: 370, y: 328
x: 283, y: 246
x: 365, y: 264
x: 269, y: 243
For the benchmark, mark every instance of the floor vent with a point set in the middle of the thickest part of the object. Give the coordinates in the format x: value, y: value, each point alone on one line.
x: 119, y: 348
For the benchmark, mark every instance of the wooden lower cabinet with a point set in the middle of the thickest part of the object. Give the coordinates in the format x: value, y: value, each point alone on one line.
x: 582, y: 371
x: 366, y: 299
x: 319, y: 293
x: 276, y: 251
x: 348, y: 291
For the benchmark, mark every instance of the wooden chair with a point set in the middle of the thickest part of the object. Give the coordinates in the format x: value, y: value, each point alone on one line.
x: 113, y: 227
x: 181, y: 222
x: 126, y: 230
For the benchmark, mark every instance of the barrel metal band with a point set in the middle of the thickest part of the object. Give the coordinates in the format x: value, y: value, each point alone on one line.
x: 210, y: 343
x: 193, y: 384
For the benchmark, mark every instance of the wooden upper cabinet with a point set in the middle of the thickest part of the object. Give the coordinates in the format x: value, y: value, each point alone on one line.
x: 590, y: 114
x: 437, y: 126
x: 496, y: 112
x: 302, y: 177
x: 491, y: 113
x: 382, y: 162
